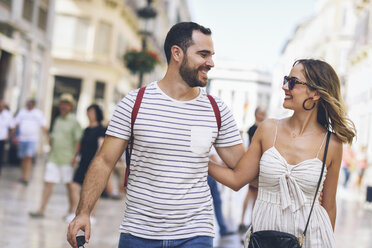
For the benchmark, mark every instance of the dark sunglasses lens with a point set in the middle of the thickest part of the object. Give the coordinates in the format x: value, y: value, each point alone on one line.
x: 290, y: 82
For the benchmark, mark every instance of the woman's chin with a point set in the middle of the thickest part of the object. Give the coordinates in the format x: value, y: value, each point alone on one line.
x: 286, y: 106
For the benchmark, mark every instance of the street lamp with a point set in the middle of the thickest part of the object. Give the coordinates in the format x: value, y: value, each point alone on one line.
x: 146, y: 14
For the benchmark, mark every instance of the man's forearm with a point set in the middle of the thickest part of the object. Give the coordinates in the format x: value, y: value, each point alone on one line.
x: 94, y: 183
x: 231, y: 155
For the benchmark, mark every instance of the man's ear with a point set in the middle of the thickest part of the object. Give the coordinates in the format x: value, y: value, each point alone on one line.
x: 177, y: 53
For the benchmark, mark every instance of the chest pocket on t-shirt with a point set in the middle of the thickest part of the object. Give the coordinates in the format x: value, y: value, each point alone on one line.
x: 201, y: 140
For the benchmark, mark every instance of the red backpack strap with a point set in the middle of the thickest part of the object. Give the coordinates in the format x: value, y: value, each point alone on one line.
x: 129, y: 149
x: 216, y: 110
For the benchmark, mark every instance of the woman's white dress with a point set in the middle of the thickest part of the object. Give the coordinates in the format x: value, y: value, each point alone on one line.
x: 285, y: 195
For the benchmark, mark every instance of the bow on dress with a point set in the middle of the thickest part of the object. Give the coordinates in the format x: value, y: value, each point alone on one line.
x: 289, y: 187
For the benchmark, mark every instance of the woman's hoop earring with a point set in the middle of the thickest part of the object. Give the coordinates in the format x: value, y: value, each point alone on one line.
x: 303, y: 104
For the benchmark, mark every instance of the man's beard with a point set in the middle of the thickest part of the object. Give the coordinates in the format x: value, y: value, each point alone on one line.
x: 190, y: 75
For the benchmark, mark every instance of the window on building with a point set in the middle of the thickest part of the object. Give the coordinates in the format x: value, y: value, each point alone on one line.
x: 232, y: 99
x: 43, y: 14
x: 120, y: 49
x: 5, y: 60
x: 260, y: 99
x: 345, y: 18
x: 28, y: 6
x: 6, y: 3
x: 103, y: 38
x: 71, y: 32
x: 6, y: 30
x: 100, y: 90
x: 35, y: 79
x: 361, y: 30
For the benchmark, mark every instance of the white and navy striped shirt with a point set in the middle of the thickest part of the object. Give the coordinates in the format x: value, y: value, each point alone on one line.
x: 168, y: 196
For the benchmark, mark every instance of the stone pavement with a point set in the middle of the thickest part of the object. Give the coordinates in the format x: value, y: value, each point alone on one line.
x: 17, y: 229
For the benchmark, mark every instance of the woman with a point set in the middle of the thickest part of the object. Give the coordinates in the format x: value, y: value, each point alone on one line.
x: 90, y: 142
x: 287, y: 155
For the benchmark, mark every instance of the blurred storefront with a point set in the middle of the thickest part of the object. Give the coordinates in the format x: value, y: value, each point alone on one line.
x: 25, y: 41
x: 359, y: 86
x: 89, y: 42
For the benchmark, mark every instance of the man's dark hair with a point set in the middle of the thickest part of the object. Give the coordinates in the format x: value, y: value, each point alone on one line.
x: 31, y: 101
x: 181, y: 35
x: 99, y: 113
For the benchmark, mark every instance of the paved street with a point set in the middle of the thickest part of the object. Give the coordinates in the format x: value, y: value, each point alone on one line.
x: 353, y: 228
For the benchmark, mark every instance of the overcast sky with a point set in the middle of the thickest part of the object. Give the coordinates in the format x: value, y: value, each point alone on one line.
x: 252, y: 31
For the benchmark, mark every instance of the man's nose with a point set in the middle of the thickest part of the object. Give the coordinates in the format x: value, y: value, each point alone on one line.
x: 210, y: 62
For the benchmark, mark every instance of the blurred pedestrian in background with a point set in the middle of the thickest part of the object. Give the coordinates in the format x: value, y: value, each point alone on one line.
x: 348, y: 162
x: 260, y: 115
x: 361, y: 158
x: 28, y: 121
x: 6, y: 124
x: 91, y: 141
x: 64, y: 141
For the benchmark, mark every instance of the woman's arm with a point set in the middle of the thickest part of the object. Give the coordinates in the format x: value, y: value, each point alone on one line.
x: 330, y: 183
x: 246, y: 169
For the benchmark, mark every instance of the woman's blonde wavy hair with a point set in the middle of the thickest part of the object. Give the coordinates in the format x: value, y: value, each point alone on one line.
x: 322, y: 77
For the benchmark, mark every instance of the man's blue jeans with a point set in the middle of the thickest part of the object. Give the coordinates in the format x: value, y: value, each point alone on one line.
x: 129, y: 241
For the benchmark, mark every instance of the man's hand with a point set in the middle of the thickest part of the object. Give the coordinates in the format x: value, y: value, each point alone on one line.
x: 80, y: 222
x: 75, y: 161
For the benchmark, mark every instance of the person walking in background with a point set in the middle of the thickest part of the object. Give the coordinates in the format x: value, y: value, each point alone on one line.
x: 260, y: 115
x: 168, y: 198
x: 347, y: 163
x: 29, y: 121
x: 6, y: 124
x: 217, y: 202
x: 64, y: 141
x: 362, y: 164
x: 287, y: 155
x: 91, y: 141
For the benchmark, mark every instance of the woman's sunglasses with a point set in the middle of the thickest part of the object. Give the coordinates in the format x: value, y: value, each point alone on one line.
x: 291, y: 82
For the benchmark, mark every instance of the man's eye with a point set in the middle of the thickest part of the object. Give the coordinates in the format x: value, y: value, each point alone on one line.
x: 203, y: 55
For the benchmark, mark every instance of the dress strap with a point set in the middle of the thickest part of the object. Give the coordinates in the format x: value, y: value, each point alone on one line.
x: 276, y: 131
x: 320, y: 148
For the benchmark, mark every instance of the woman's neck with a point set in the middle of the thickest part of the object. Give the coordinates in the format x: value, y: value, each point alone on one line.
x: 93, y: 123
x: 303, y: 123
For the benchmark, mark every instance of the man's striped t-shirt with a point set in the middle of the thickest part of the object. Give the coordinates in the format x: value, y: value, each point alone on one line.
x: 168, y: 196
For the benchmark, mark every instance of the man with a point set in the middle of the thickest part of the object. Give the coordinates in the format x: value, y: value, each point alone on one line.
x: 28, y: 121
x: 6, y: 122
x: 168, y: 200
x: 260, y: 115
x: 64, y: 141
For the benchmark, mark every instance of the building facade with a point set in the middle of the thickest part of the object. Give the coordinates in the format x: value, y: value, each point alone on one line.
x: 25, y: 41
x: 243, y: 88
x: 89, y: 42
x: 359, y: 86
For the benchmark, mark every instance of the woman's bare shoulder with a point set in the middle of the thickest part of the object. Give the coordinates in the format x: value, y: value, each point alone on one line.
x: 335, y: 144
x: 267, y: 127
x: 270, y: 124
x: 334, y: 151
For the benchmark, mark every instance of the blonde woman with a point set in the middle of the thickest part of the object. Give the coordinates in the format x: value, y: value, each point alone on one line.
x: 287, y: 155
